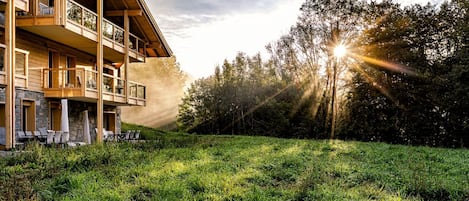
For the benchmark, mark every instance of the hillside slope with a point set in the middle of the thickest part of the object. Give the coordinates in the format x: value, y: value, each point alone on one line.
x: 186, y: 167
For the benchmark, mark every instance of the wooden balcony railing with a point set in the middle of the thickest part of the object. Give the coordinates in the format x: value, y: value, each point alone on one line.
x: 137, y: 90
x: 81, y: 20
x: 136, y: 47
x: 137, y: 93
x: 69, y: 78
x: 82, y: 83
x: 113, y: 34
x: 82, y: 16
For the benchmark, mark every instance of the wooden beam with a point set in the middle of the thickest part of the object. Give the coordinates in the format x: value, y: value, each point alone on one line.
x: 100, y: 66
x: 151, y: 52
x: 10, y: 42
x: 126, y: 56
x: 121, y: 13
x: 156, y: 45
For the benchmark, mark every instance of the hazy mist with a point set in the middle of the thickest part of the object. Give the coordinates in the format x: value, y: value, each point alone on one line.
x: 165, y: 88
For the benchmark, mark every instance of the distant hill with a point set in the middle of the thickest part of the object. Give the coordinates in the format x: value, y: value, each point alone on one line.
x: 165, y: 84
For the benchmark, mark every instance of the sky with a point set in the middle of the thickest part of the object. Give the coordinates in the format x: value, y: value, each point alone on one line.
x: 203, y: 33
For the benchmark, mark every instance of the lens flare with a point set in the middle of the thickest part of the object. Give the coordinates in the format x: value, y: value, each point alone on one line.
x: 340, y: 51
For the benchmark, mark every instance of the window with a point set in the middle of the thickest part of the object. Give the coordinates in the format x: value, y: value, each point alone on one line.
x: 46, y: 7
x: 70, y: 73
x: 2, y: 59
x: 2, y: 124
x: 21, y: 62
x: 28, y: 115
x: 2, y: 35
x: 53, y: 65
x: 2, y: 19
x: 2, y: 114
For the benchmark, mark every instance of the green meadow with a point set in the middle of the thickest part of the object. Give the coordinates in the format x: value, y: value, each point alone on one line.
x: 172, y: 166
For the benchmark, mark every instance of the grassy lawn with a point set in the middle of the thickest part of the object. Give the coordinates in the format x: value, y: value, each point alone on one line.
x: 185, y: 167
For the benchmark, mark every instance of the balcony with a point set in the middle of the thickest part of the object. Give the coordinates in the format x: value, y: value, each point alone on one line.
x: 70, y: 23
x: 80, y: 84
x: 21, y: 5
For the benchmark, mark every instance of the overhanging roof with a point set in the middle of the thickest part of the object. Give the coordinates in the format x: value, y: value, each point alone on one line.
x: 143, y: 26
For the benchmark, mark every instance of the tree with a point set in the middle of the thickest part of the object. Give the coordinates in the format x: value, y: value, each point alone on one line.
x: 406, y: 67
x: 404, y: 80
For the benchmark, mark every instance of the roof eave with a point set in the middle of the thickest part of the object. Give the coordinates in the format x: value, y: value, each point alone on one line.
x: 155, y: 26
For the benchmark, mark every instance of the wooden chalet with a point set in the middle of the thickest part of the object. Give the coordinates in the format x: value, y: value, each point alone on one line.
x: 78, y: 50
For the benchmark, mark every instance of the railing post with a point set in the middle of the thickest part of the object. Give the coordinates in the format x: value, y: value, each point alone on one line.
x: 63, y: 12
x: 126, y: 56
x: 82, y: 22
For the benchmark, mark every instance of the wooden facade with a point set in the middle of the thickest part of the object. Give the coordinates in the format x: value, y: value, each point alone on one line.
x: 73, y: 49
x: 20, y: 5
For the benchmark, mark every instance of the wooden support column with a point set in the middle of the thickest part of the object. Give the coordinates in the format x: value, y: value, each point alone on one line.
x: 127, y: 55
x: 10, y: 42
x: 100, y: 65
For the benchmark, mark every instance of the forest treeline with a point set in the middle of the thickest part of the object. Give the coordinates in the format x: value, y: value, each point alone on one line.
x: 404, y: 79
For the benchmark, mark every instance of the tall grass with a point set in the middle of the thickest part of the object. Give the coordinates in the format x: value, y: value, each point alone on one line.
x: 187, y: 167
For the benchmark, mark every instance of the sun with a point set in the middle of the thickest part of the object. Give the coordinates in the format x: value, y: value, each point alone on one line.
x: 340, y: 51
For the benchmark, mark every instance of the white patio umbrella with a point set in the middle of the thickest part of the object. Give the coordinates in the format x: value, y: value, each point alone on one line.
x: 86, y: 127
x: 64, y: 126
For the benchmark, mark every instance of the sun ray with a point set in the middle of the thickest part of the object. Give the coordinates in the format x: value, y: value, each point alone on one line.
x: 253, y: 109
x: 375, y: 84
x: 314, y: 89
x: 385, y: 65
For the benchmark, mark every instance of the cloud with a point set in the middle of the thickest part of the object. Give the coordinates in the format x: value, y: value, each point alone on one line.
x: 203, y: 33
x: 174, y: 16
x: 212, y: 7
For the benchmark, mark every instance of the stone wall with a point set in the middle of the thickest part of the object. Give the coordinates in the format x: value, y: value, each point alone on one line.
x: 76, y: 116
x: 76, y: 123
x: 42, y: 107
x: 75, y: 110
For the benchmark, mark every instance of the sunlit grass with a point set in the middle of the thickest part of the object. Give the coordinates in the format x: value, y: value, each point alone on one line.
x: 184, y: 167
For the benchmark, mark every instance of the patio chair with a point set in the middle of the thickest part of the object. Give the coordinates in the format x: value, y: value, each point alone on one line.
x: 21, y: 136
x: 137, y: 135
x: 109, y: 136
x: 29, y: 134
x: 121, y: 136
x: 43, y: 131
x: 57, y: 137
x: 105, y: 134
x: 50, y: 138
x: 39, y: 136
x: 129, y: 135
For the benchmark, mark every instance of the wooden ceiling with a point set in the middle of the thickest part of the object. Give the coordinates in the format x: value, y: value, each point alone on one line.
x: 144, y: 26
